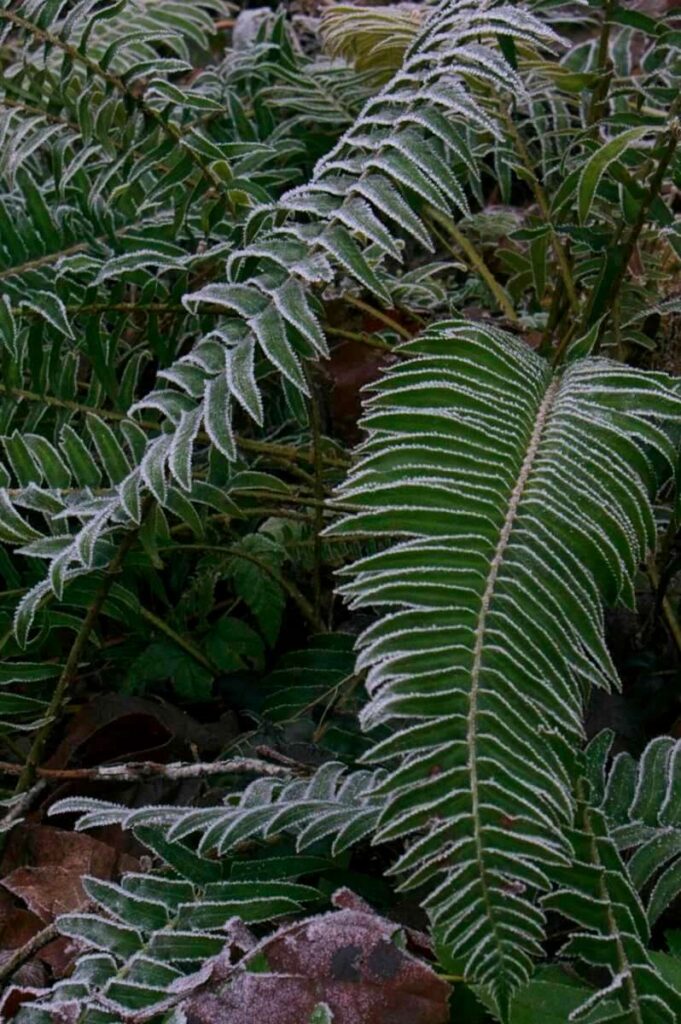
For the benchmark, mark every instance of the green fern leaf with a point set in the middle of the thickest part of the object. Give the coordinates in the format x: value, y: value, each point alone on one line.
x: 490, y: 474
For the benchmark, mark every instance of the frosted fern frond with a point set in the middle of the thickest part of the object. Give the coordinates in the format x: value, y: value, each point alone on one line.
x: 152, y: 937
x: 333, y: 805
x: 597, y: 894
x: 153, y: 933
x: 641, y: 800
x: 514, y: 500
x: 416, y: 141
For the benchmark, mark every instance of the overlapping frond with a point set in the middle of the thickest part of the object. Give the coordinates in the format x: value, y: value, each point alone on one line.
x: 641, y: 801
x: 414, y: 143
x: 513, y: 500
x: 596, y: 893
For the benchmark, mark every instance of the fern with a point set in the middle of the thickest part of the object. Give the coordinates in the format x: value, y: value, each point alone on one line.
x: 640, y: 802
x: 365, y: 178
x: 152, y: 934
x: 173, y: 249
x: 149, y: 942
x: 330, y: 804
x: 521, y: 495
x: 597, y: 894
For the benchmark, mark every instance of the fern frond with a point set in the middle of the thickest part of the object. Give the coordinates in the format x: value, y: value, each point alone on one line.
x: 147, y: 943
x: 596, y: 893
x: 372, y: 39
x: 332, y: 805
x: 411, y: 144
x: 520, y: 500
x: 641, y: 801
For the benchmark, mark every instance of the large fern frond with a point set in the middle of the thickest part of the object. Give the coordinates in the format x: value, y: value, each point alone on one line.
x: 513, y: 500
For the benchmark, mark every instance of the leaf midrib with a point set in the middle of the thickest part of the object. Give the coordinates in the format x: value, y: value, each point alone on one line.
x: 472, y: 724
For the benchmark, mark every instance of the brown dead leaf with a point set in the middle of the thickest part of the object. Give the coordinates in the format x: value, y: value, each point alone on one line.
x: 45, y: 867
x: 47, y: 891
x: 347, y: 959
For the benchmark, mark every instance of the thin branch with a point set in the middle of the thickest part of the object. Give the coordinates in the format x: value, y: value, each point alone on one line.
x: 562, y: 257
x: 25, y: 952
x: 137, y: 771
x: 474, y: 259
x: 316, y: 425
x: 299, y: 599
x: 379, y: 314
x: 668, y: 611
x: 178, y: 639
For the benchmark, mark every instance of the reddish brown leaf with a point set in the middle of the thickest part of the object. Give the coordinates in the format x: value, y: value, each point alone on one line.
x: 47, y: 891
x: 347, y: 959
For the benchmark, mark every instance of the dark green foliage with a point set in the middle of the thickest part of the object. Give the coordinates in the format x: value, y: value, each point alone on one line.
x: 188, y: 230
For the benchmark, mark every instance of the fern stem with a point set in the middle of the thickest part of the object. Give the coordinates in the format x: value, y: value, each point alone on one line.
x: 379, y: 314
x: 600, y: 92
x: 19, y: 956
x: 629, y: 245
x: 667, y: 608
x: 476, y: 669
x: 177, y: 638
x: 70, y: 670
x: 361, y: 337
x: 316, y: 425
x: 474, y: 259
x: 560, y: 252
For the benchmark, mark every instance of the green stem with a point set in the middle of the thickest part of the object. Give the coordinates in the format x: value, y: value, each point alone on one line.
x: 629, y: 245
x: 319, y: 493
x: 541, y: 198
x: 70, y: 670
x: 600, y: 92
x: 177, y: 638
x: 379, y: 315
x: 474, y: 259
x: 284, y: 453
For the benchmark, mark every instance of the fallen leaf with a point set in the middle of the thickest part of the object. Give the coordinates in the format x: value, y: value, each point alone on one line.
x: 347, y: 959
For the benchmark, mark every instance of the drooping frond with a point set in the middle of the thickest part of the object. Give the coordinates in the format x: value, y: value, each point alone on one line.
x: 373, y: 39
x: 513, y: 500
x: 331, y: 805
